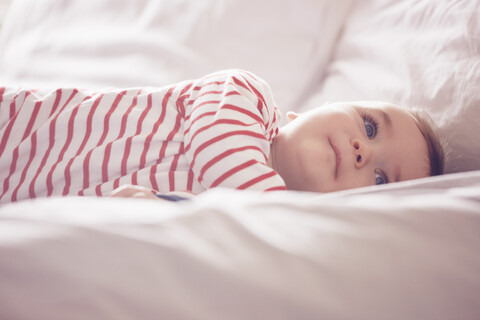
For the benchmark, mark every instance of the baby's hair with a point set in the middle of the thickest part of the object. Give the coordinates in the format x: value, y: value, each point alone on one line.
x: 436, y: 154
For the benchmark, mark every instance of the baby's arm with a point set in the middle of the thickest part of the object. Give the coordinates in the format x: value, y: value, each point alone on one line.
x: 230, y: 123
x: 132, y: 191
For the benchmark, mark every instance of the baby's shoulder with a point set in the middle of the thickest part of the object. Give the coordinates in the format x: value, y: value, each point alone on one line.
x: 241, y: 78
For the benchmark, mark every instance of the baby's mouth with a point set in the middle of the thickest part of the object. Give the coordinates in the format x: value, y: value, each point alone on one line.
x: 338, y: 157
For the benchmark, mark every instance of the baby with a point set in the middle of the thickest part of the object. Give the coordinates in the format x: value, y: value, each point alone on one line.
x: 347, y: 145
x: 219, y: 131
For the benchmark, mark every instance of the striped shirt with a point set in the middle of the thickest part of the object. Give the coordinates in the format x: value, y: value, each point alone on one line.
x: 191, y: 136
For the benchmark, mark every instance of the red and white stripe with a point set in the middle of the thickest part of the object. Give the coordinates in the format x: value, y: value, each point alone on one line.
x: 191, y: 136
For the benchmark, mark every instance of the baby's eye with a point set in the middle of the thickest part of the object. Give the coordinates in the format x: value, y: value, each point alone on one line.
x: 370, y: 127
x: 380, y: 178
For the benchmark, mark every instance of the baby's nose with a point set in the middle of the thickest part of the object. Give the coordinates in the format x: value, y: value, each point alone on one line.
x: 362, y: 153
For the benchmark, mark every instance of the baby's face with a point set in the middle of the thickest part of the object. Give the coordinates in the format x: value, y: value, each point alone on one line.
x: 347, y: 145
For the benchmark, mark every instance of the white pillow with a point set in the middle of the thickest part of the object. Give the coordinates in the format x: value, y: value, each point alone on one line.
x: 422, y: 53
x: 152, y: 43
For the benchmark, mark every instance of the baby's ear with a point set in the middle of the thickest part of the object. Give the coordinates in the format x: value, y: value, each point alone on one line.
x: 291, y: 115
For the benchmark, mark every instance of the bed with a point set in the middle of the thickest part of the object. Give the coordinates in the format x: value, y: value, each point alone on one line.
x: 408, y: 250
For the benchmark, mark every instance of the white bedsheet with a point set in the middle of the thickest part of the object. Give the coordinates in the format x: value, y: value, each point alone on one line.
x: 404, y: 253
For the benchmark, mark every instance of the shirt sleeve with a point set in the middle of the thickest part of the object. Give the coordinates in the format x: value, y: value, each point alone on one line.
x: 230, y: 122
